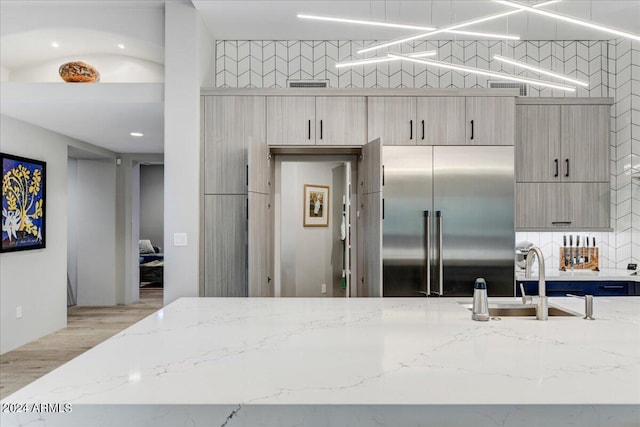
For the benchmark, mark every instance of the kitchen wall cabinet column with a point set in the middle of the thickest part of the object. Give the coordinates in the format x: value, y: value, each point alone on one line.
x: 232, y: 126
x: 562, y: 164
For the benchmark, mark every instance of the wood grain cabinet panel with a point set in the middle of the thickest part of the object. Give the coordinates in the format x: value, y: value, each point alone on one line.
x: 225, y: 245
x: 392, y: 119
x: 229, y: 122
x: 259, y: 245
x: 537, y: 143
x: 291, y: 120
x: 562, y: 206
x: 585, y: 143
x: 490, y: 120
x: 341, y: 120
x: 441, y: 120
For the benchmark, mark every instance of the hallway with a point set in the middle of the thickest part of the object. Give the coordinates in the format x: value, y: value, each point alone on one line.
x: 86, y: 328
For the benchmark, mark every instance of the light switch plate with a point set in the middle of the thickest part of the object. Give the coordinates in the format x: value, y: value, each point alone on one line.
x: 179, y: 239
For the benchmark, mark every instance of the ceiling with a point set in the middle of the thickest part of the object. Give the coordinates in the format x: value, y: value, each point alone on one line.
x: 276, y: 20
x: 107, y: 116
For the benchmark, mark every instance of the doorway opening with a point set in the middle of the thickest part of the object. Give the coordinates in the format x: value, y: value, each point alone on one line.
x: 151, y: 228
x: 315, y: 226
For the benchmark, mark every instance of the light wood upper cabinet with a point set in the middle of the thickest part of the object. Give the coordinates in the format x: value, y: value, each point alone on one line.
x: 392, y: 119
x: 490, y: 120
x: 341, y: 120
x: 291, y: 120
x: 441, y: 120
x: 229, y: 122
x: 562, y: 143
x: 585, y: 143
x: 538, y: 143
x: 322, y: 120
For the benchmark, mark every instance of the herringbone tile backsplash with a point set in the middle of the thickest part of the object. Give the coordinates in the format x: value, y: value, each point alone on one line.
x: 612, y: 68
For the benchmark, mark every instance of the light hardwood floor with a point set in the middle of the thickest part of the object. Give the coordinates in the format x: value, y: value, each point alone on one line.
x: 86, y: 328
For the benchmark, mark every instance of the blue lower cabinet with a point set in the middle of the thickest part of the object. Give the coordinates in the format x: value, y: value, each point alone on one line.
x: 562, y: 288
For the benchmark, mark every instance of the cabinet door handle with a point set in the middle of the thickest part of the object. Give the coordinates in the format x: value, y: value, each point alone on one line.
x: 471, y: 129
x: 320, y: 129
x: 247, y: 175
x: 423, y: 130
x: 410, y: 129
x: 567, y: 162
x: 382, y: 208
x: 557, y: 171
x: 612, y: 287
x: 383, y: 175
x: 309, y: 130
x: 561, y: 222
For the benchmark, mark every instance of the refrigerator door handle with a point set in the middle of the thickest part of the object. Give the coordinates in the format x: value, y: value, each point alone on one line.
x: 427, y: 257
x: 440, y: 266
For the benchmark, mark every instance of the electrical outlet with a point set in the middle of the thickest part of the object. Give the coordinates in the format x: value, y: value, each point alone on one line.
x: 324, y: 288
x: 19, y: 312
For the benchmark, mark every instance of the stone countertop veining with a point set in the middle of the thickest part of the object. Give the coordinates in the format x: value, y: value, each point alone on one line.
x: 423, y: 351
x: 606, y: 274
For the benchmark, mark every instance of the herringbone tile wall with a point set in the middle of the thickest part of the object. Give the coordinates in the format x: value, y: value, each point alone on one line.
x: 612, y: 68
x: 269, y: 63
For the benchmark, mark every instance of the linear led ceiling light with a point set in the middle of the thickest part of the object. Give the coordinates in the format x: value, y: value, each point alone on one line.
x: 472, y: 70
x: 404, y: 26
x: 449, y: 28
x: 539, y: 70
x: 570, y: 19
x: 383, y: 59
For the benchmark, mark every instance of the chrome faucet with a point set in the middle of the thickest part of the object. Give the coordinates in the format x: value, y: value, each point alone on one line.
x: 542, y: 310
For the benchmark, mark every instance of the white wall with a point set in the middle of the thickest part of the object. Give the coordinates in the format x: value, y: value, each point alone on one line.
x: 112, y: 69
x: 96, y: 232
x: 152, y: 204
x: 72, y: 221
x: 182, y: 151
x: 309, y: 256
x: 5, y: 74
x: 36, y: 280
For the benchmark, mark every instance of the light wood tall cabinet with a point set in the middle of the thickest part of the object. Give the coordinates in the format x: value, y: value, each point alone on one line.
x: 236, y: 180
x: 319, y: 120
x: 562, y: 164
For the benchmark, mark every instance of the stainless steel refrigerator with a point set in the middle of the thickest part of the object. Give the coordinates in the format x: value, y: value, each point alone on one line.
x: 448, y: 218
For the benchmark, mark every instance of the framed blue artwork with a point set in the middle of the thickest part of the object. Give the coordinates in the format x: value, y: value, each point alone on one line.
x: 23, y: 203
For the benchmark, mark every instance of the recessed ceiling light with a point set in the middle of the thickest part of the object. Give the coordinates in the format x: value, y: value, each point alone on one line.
x: 55, y: 44
x: 136, y: 134
x: 120, y: 45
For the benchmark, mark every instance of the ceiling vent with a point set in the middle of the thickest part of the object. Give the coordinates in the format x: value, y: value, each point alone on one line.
x: 523, y: 87
x: 307, y: 83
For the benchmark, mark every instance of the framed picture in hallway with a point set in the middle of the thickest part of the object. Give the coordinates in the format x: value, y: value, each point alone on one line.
x: 316, y: 205
x: 23, y: 203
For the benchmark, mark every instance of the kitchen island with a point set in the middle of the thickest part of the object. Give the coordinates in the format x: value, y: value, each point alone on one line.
x: 375, y: 361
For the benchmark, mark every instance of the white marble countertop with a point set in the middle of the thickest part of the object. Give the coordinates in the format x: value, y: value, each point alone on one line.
x: 356, y: 351
x: 607, y: 274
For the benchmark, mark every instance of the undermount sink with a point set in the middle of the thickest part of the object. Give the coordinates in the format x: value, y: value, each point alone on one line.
x: 521, y: 310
